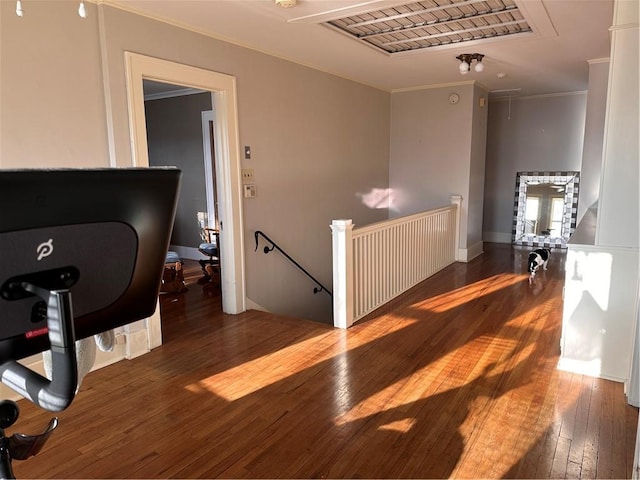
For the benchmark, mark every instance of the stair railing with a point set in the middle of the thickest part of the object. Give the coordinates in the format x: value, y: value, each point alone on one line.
x: 267, y: 249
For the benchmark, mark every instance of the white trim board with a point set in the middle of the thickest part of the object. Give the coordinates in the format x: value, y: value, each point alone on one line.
x: 227, y: 155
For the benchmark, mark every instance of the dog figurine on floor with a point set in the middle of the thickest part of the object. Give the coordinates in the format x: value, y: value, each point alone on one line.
x: 537, y: 258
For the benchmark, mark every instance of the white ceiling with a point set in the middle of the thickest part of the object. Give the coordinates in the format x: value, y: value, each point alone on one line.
x: 551, y: 59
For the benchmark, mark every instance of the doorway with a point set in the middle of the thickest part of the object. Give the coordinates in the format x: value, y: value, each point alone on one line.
x: 175, y: 139
x: 180, y: 134
x: 226, y: 157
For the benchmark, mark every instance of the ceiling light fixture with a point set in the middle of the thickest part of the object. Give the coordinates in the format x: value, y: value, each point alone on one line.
x: 465, y: 62
x: 82, y: 11
x: 286, y: 3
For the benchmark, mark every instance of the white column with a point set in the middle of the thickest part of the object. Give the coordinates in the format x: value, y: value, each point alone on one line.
x: 457, y: 201
x: 619, y: 204
x: 342, y: 273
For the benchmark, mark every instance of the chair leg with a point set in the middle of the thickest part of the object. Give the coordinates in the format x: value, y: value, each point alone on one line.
x: 203, y: 266
x: 209, y: 270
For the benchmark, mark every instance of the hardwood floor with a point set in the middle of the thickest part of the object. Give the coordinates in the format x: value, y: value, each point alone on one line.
x: 455, y: 379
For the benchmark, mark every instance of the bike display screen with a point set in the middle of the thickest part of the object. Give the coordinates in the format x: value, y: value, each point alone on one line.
x: 101, y: 234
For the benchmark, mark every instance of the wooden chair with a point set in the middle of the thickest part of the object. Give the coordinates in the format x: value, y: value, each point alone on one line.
x: 173, y: 275
x: 210, y: 247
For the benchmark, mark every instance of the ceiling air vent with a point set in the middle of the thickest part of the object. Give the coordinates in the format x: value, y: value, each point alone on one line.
x: 433, y: 23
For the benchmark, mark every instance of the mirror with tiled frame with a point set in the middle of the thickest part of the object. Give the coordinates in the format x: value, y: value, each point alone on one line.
x: 553, y: 234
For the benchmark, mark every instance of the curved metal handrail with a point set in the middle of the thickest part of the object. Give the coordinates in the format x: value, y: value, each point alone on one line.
x: 274, y: 245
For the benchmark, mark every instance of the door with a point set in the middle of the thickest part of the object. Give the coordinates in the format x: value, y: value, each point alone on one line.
x: 226, y: 158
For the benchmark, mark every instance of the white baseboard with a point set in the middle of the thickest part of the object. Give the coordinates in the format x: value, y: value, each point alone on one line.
x: 496, y: 237
x: 251, y: 305
x: 467, y: 254
x: 136, y: 344
x: 104, y: 359
x: 588, y: 368
x: 475, y: 250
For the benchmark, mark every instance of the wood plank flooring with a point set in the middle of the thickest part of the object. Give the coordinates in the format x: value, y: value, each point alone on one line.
x: 455, y: 379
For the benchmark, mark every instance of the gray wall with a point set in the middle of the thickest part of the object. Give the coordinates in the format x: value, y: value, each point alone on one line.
x: 174, y: 137
x: 52, y: 110
x: 528, y: 134
x: 475, y: 196
x: 438, y: 150
x: 319, y: 142
x: 430, y: 147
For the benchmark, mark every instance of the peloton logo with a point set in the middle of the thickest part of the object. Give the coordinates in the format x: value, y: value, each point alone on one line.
x: 45, y: 249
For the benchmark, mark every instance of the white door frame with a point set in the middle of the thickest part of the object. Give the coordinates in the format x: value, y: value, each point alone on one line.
x: 227, y: 155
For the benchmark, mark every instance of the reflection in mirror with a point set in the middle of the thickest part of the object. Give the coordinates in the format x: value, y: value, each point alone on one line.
x: 545, y: 208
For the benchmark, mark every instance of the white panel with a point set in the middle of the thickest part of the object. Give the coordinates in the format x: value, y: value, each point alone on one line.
x: 598, y: 325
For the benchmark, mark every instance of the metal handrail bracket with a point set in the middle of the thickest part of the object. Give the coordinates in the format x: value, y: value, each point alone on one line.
x: 267, y: 249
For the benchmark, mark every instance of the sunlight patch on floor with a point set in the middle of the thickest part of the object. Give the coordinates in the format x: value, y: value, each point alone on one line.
x: 432, y: 376
x: 512, y: 354
x: 259, y: 373
x: 460, y: 296
x: 400, y: 426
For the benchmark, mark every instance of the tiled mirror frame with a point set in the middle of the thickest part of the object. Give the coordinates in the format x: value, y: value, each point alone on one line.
x: 569, y: 214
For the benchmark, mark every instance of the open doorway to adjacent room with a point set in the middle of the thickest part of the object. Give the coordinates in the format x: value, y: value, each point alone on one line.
x: 221, y: 90
x: 180, y: 133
